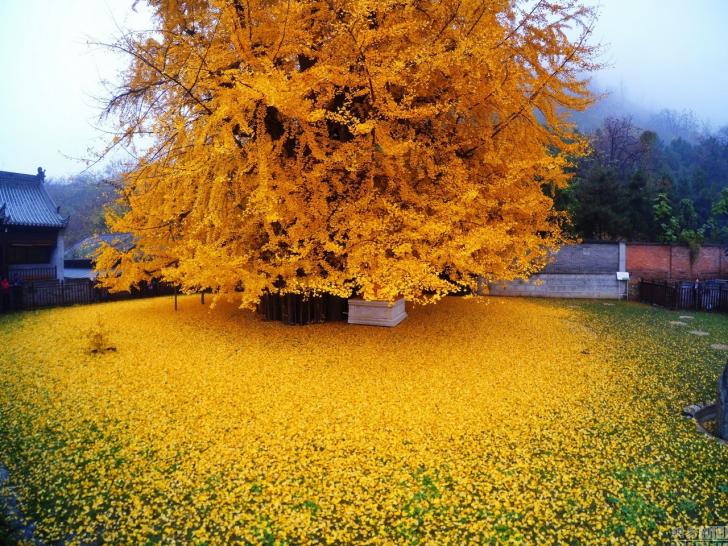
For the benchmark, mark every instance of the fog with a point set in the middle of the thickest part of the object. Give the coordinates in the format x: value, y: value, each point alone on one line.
x: 666, y: 54
x: 660, y: 54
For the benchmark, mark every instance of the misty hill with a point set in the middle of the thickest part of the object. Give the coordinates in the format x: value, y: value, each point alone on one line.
x: 83, y: 198
x: 636, y: 186
x: 668, y: 124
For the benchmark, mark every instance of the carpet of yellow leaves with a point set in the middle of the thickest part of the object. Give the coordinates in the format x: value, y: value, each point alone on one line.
x: 514, y: 421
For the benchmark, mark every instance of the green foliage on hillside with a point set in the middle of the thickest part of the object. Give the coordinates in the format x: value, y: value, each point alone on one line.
x: 635, y: 186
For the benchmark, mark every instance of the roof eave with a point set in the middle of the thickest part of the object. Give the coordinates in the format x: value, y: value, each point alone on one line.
x: 41, y: 225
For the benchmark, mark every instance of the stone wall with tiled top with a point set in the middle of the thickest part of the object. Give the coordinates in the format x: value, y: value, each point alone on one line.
x: 587, y: 270
x: 601, y: 286
x: 586, y: 258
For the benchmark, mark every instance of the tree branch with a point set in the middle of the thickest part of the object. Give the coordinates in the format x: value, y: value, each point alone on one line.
x: 162, y: 73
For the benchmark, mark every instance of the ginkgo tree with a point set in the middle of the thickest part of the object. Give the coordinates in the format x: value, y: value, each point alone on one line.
x: 383, y: 148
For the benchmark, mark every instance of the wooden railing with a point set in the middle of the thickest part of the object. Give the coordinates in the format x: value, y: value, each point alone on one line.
x: 27, y: 274
x: 54, y: 293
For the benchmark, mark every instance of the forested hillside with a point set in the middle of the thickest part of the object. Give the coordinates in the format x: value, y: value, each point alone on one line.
x: 637, y: 186
x: 83, y: 198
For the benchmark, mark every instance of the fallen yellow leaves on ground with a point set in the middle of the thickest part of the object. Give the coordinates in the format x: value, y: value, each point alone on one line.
x: 511, y: 421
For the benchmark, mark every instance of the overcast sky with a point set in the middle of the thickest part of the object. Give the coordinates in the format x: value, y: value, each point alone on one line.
x: 662, y: 54
x: 668, y: 54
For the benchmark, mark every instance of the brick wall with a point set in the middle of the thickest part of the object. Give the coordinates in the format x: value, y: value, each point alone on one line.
x: 589, y: 270
x: 655, y: 261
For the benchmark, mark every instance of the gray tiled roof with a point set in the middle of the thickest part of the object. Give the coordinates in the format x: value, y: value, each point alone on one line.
x: 87, y: 248
x: 24, y: 201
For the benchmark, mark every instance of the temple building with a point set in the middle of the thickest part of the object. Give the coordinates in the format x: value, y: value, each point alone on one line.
x: 31, y: 229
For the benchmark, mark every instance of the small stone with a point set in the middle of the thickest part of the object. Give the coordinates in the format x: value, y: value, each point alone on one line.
x: 699, y: 333
x: 719, y: 346
x: 686, y: 317
x: 610, y: 304
x: 678, y: 323
x: 689, y: 411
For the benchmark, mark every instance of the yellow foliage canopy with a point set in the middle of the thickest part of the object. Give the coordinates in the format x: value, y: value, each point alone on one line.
x: 378, y: 147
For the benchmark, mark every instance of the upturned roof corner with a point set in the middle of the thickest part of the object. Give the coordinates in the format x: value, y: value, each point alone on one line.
x: 24, y: 201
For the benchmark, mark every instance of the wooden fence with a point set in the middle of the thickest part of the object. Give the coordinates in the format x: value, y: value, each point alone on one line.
x: 39, y: 294
x: 288, y: 308
x: 699, y: 296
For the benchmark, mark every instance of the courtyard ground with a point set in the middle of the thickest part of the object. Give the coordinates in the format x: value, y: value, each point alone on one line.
x: 501, y: 421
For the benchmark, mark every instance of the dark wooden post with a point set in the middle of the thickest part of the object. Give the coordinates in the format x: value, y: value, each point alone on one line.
x: 722, y: 403
x: 3, y: 252
x: 175, y: 298
x: 202, y: 297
